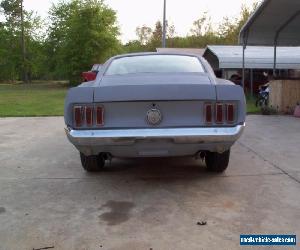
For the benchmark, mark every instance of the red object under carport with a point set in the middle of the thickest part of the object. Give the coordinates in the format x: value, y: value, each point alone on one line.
x: 297, y: 111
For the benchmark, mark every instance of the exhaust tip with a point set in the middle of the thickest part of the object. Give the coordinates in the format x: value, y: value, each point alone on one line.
x: 201, y: 155
x: 106, y: 156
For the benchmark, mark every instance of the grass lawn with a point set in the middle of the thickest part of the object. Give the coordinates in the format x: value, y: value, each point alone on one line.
x: 251, y: 108
x: 47, y: 99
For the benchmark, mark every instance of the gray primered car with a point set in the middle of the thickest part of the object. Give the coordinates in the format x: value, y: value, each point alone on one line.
x: 155, y: 105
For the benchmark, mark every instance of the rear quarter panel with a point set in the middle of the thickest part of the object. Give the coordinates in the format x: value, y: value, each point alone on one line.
x: 227, y: 91
x: 75, y: 96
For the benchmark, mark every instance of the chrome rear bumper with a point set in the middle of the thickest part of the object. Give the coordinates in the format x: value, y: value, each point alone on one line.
x: 127, y: 137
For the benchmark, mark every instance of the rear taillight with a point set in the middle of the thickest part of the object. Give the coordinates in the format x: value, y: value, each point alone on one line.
x: 208, y: 113
x: 78, y: 116
x: 99, y: 116
x: 219, y: 113
x: 230, y: 113
x: 89, y: 111
x: 89, y: 116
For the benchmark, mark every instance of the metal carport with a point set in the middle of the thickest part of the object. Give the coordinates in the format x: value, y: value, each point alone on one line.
x: 256, y: 57
x: 274, y: 23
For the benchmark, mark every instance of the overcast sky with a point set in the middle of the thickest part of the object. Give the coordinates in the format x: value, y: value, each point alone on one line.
x: 182, y: 13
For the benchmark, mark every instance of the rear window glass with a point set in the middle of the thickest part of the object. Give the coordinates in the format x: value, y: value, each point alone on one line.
x: 155, y: 64
x: 96, y: 67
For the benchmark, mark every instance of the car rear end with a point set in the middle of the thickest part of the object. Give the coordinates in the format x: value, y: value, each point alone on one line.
x: 155, y: 115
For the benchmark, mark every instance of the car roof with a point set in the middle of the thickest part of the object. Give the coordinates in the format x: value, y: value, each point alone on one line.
x: 154, y: 53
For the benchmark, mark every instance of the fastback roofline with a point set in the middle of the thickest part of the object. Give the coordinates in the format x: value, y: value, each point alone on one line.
x: 154, y: 53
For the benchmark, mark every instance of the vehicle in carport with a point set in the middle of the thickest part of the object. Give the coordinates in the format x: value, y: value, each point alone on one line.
x: 155, y: 105
x: 92, y: 74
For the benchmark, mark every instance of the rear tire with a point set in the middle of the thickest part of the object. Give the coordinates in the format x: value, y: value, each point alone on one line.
x: 93, y: 163
x: 216, y: 162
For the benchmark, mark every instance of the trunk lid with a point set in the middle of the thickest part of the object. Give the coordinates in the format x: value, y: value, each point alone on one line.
x: 179, y: 98
x: 149, y: 87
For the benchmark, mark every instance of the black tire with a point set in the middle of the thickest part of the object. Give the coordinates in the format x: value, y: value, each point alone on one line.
x: 93, y: 163
x: 216, y: 162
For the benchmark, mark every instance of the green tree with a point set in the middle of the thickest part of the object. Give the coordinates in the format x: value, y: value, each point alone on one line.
x: 171, y: 30
x: 144, y: 34
x: 134, y: 47
x: 202, y: 26
x: 10, y: 36
x: 7, y: 64
x: 229, y: 29
x: 20, y: 27
x: 201, y: 34
x: 157, y: 32
x: 82, y: 32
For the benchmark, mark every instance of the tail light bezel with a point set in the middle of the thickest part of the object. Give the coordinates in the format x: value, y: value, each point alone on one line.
x: 77, y: 123
x: 220, y: 113
x: 234, y: 116
x: 206, y: 106
x: 86, y: 116
x: 219, y: 110
x: 89, y: 109
x: 101, y: 107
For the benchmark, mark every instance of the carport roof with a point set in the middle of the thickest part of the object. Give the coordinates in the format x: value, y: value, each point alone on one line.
x: 256, y: 57
x: 273, y: 18
x: 195, y: 51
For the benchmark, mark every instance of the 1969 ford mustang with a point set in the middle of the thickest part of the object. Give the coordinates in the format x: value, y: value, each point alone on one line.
x: 155, y: 105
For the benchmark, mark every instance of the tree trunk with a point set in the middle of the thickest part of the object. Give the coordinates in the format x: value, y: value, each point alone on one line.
x: 24, y: 64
